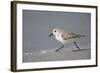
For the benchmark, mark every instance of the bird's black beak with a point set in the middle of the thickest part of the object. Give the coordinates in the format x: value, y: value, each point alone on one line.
x: 50, y: 35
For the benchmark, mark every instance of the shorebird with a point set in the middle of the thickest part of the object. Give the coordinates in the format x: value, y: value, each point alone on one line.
x: 65, y: 37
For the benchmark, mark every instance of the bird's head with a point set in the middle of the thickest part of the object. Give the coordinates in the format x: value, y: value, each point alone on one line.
x: 55, y: 31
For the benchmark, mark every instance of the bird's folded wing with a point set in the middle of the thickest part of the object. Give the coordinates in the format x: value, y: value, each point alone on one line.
x: 70, y: 35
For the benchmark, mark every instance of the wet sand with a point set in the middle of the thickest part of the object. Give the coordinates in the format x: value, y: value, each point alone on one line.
x: 51, y: 55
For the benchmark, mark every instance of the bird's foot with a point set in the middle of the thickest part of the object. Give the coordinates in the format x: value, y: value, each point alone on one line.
x: 76, y: 50
x: 79, y: 50
x: 57, y: 50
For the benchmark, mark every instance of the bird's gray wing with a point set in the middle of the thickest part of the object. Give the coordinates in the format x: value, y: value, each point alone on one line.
x: 70, y: 35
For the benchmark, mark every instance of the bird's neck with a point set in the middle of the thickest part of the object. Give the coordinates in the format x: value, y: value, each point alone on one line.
x: 57, y: 35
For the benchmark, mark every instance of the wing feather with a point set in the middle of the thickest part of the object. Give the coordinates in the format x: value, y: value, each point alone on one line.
x: 70, y: 35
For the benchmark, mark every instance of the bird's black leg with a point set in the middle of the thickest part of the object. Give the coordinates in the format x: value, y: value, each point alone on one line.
x: 59, y: 48
x: 76, y: 45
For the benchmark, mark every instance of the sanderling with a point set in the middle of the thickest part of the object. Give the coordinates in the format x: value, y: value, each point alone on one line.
x: 65, y: 37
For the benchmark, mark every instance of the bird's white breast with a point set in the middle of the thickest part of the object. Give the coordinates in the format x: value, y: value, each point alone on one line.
x: 59, y: 38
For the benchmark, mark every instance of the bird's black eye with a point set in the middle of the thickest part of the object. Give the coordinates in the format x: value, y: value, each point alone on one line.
x: 55, y: 31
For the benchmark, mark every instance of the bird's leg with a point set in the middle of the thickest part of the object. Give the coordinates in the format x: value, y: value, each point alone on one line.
x: 76, y: 45
x: 59, y: 48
